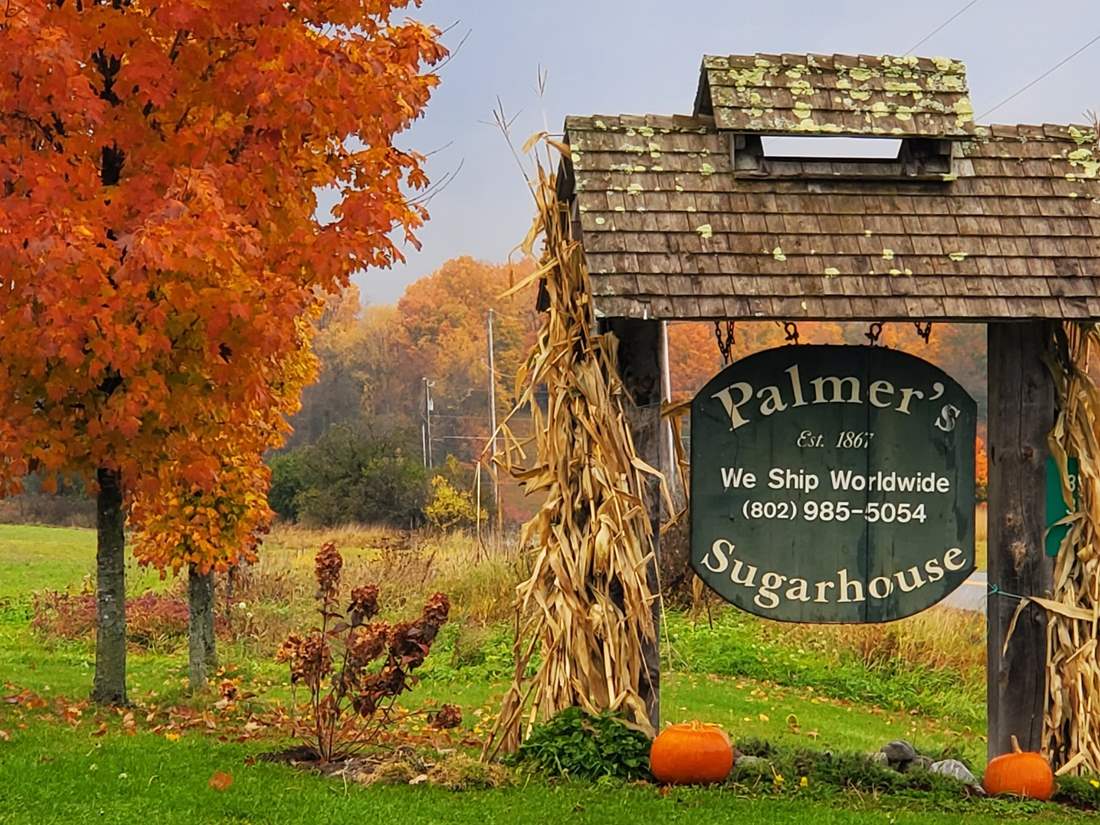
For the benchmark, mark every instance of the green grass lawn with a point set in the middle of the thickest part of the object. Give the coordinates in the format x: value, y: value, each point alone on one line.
x: 54, y: 558
x: 55, y: 775
x: 727, y: 674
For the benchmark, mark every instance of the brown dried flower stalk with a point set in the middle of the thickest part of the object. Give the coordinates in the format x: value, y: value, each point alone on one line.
x: 354, y: 671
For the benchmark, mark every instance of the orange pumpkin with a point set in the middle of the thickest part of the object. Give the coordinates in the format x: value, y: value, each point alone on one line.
x: 691, y: 754
x: 1019, y: 773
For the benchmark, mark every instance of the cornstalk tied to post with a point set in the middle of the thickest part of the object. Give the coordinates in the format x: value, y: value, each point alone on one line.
x: 1071, y: 731
x: 585, y: 612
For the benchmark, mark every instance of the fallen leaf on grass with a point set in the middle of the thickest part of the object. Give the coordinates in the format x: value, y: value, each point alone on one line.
x: 220, y: 780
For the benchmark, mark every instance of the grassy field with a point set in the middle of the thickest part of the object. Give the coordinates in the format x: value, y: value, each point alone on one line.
x: 790, y: 686
x: 127, y: 779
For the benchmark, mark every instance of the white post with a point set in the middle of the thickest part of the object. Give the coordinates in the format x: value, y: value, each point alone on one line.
x: 668, y: 462
x: 428, y: 423
x: 493, y: 414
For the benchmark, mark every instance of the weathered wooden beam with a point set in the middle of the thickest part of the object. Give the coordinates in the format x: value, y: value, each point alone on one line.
x: 640, y: 368
x: 1022, y: 408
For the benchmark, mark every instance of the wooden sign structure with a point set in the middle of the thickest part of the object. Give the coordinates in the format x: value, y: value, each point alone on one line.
x: 695, y: 218
x: 832, y: 484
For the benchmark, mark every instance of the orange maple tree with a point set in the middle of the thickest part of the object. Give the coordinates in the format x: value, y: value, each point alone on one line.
x: 159, y: 170
x: 443, y: 318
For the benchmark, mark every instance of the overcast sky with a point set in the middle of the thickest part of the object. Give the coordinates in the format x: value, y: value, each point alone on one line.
x: 642, y: 56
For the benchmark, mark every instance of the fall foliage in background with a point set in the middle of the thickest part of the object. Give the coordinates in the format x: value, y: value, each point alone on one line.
x: 356, y: 453
x: 369, y: 395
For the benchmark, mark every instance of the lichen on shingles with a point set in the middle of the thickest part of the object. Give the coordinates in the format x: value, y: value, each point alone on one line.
x: 1084, y: 159
x: 907, y: 96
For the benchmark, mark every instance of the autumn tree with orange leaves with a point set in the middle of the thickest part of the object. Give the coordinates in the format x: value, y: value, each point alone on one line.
x: 159, y: 164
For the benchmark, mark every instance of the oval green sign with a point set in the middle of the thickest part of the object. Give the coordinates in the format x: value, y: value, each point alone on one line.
x: 832, y: 484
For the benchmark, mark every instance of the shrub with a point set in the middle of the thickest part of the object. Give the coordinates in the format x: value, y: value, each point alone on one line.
x: 353, y: 666
x: 154, y: 621
x: 288, y: 481
x: 1079, y: 791
x: 350, y: 475
x: 449, y: 507
x: 583, y: 746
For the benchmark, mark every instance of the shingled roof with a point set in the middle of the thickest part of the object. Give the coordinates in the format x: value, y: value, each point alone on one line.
x: 683, y: 216
x: 837, y: 94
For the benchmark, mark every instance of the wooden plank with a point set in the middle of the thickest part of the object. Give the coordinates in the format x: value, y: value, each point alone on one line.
x: 640, y: 369
x: 1021, y: 413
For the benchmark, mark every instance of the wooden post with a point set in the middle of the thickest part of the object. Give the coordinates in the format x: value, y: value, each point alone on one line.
x: 640, y: 369
x: 1021, y: 412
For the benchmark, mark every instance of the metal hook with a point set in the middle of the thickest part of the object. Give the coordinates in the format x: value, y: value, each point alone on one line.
x: 873, y: 332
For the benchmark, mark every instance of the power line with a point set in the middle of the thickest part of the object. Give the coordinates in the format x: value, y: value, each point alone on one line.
x: 941, y: 26
x: 1040, y: 78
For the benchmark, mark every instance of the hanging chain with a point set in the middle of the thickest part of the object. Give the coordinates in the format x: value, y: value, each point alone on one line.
x: 790, y: 329
x: 924, y: 330
x: 873, y: 332
x: 725, y: 340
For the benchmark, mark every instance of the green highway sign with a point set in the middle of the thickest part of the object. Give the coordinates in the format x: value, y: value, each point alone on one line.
x: 832, y: 484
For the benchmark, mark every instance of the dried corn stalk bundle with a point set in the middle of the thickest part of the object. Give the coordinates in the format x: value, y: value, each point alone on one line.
x: 586, y: 608
x: 1072, y: 723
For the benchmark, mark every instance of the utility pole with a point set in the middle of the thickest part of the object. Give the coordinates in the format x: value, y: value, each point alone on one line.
x: 493, y: 415
x: 426, y: 429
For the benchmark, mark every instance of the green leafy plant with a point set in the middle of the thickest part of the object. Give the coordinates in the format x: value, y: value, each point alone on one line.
x: 1079, y: 791
x: 351, y: 474
x: 450, y: 507
x: 579, y: 745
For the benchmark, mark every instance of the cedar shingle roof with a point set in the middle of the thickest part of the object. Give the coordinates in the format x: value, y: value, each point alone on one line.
x: 670, y: 230
x: 837, y: 94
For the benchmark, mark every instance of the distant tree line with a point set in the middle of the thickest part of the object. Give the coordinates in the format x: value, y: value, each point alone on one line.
x: 358, y: 452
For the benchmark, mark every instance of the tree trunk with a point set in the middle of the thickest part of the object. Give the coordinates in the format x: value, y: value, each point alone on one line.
x: 109, y: 686
x: 201, y: 647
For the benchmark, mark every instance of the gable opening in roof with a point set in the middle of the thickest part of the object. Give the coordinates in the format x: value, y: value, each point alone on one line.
x: 904, y: 159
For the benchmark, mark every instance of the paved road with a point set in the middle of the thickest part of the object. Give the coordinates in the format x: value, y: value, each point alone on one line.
x: 971, y: 594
